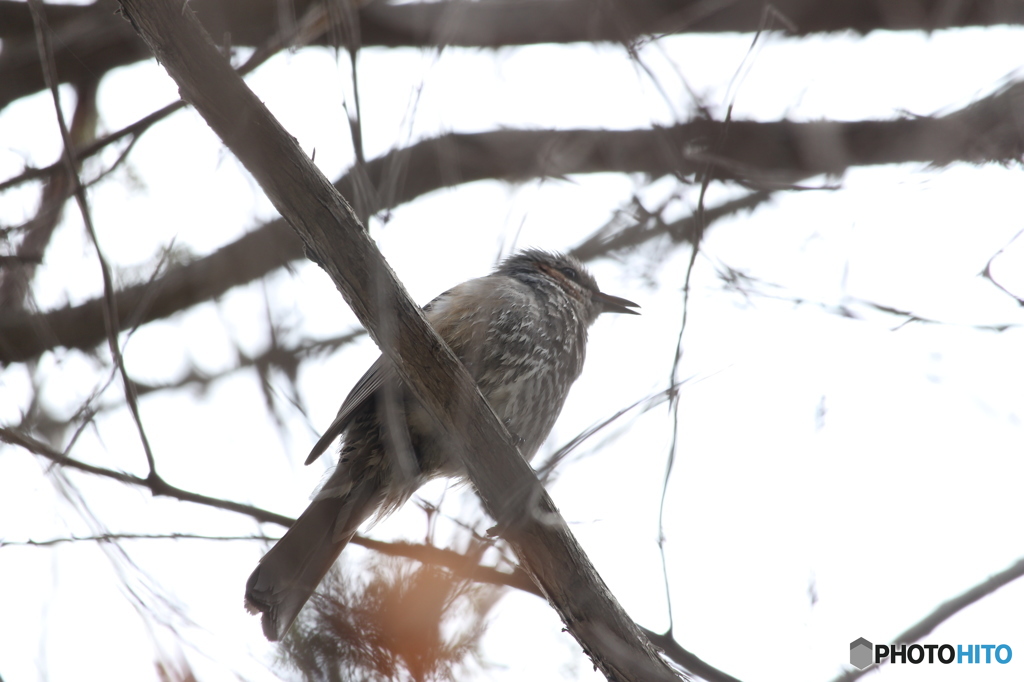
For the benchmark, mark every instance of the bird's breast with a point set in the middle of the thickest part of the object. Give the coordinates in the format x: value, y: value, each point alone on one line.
x: 523, y: 346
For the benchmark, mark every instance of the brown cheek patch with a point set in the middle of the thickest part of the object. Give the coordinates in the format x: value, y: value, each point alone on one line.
x: 572, y: 288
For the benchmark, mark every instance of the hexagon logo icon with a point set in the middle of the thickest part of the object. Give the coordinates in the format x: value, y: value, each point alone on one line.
x: 860, y: 653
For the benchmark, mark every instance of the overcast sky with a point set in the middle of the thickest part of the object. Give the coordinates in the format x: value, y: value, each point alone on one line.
x: 836, y: 477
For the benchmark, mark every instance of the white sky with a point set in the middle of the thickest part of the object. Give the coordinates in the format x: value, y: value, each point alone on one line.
x: 904, y: 494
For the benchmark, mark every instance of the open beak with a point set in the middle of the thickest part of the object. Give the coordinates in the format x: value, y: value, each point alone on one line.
x: 614, y: 304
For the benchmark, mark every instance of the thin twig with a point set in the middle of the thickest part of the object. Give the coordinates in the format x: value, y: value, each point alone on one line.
x: 987, y: 272
x: 450, y: 559
x: 306, y: 31
x: 545, y: 470
x: 133, y: 130
x: 947, y: 610
x: 71, y: 165
x: 424, y: 553
x: 601, y: 244
x: 117, y: 537
x: 157, y: 488
x: 699, y: 225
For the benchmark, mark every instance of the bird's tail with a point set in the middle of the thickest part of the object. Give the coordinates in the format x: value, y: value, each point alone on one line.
x: 288, y: 574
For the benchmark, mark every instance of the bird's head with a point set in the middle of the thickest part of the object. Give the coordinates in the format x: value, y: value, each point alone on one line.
x: 535, y: 267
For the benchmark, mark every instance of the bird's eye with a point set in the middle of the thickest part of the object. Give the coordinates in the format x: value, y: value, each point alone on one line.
x: 570, y: 273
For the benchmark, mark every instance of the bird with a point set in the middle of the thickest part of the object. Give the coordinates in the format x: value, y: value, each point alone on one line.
x: 521, y: 332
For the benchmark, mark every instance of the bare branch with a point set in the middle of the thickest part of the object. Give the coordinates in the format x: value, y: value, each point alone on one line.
x: 546, y: 470
x: 466, y: 567
x: 15, y: 282
x: 684, y: 230
x: 987, y: 272
x: 334, y: 237
x: 695, y: 664
x: 91, y: 40
x: 23, y: 336
x: 308, y: 29
x: 131, y: 131
x: 771, y: 154
x: 117, y: 537
x: 155, y: 486
x: 426, y: 553
x: 110, y: 321
x: 947, y: 610
x: 459, y: 564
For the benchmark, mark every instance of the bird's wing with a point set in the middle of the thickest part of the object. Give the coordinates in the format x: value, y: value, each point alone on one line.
x: 452, y: 314
x: 364, y: 390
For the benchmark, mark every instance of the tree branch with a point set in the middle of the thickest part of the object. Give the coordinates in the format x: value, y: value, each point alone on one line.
x: 770, y: 155
x: 459, y: 564
x: 947, y: 610
x: 91, y: 41
x: 154, y: 485
x: 117, y: 537
x: 334, y: 237
x: 443, y: 557
x: 682, y: 230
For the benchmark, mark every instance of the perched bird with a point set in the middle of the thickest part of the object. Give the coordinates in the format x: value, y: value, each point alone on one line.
x: 522, y: 334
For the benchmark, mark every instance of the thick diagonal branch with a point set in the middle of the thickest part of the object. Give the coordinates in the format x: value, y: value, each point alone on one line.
x: 331, y: 233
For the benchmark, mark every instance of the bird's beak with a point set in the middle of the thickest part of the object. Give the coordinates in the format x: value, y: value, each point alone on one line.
x: 614, y: 304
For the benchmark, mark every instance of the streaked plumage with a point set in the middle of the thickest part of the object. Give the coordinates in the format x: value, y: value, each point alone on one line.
x: 520, y: 331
